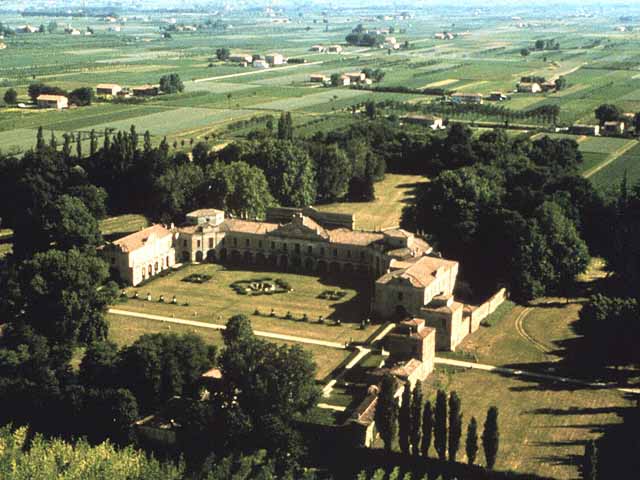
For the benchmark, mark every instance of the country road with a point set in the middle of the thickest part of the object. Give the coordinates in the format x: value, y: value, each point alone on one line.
x: 255, y: 72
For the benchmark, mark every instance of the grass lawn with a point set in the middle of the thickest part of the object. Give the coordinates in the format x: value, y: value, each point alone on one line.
x: 122, y: 225
x: 215, y: 301
x: 543, y: 427
x: 392, y: 195
x: 126, y: 330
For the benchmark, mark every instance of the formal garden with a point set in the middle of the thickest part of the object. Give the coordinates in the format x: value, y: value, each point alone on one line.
x: 327, y: 309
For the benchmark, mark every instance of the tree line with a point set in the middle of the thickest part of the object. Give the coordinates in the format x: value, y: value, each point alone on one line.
x: 417, y: 424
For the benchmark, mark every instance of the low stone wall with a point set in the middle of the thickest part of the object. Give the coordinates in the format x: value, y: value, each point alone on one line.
x: 481, y: 312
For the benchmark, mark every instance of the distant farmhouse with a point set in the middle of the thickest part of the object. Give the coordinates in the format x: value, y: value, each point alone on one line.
x: 467, y: 98
x: 145, y: 91
x: 411, y: 283
x: 52, y: 101
x: 111, y: 89
x: 593, y: 130
x: 529, y: 87
x: 319, y: 78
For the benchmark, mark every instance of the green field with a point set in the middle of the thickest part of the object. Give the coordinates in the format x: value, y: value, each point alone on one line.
x: 599, y: 65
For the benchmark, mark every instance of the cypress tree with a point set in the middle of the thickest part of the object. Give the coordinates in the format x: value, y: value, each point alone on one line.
x: 590, y: 461
x: 93, y: 143
x: 415, y: 428
x: 404, y: 420
x: 491, y: 437
x: 386, y: 416
x: 79, y: 145
x: 66, y: 146
x: 40, y: 140
x: 147, y: 142
x: 471, y: 445
x: 455, y: 425
x: 53, y: 143
x: 440, y: 425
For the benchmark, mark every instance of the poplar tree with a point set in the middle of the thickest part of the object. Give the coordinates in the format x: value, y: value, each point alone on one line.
x: 427, y: 428
x: 440, y: 425
x: 404, y: 420
x: 386, y: 416
x: 40, y: 140
x: 415, y: 428
x: 79, y: 145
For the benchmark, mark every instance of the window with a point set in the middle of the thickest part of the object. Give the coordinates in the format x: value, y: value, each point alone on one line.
x: 199, y: 243
x: 400, y: 296
x: 297, y: 248
x: 211, y: 243
x: 235, y: 242
x: 284, y: 247
x: 113, y: 260
x: 273, y: 245
x: 184, y: 243
x: 247, y: 242
x: 361, y: 255
x: 335, y: 252
x: 259, y: 243
x: 309, y: 249
x: 321, y: 250
x: 348, y: 253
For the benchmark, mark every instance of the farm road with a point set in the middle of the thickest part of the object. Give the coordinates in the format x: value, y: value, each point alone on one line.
x: 255, y: 72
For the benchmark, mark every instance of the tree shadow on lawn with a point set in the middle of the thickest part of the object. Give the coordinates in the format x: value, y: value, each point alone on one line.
x: 412, y: 190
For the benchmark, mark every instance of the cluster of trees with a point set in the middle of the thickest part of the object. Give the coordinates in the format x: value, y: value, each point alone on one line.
x: 417, y: 424
x: 171, y: 83
x: 364, y: 38
x: 222, y: 54
x: 551, y: 44
x: 545, y: 114
x: 515, y: 212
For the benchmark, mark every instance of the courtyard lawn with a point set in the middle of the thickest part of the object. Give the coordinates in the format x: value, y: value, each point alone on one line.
x: 392, y: 195
x: 543, y: 426
x: 126, y: 330
x: 215, y: 301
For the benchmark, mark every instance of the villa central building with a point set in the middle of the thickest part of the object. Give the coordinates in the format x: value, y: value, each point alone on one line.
x: 409, y: 281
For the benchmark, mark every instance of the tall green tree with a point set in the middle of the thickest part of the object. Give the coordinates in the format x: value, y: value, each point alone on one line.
x: 10, y: 97
x: 71, y: 225
x: 386, y: 415
x: 491, y: 437
x: 455, y: 425
x: 404, y: 421
x: 333, y: 171
x: 440, y: 425
x: 285, y: 126
x: 471, y: 443
x: 427, y: 428
x: 415, y: 425
x: 58, y: 294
